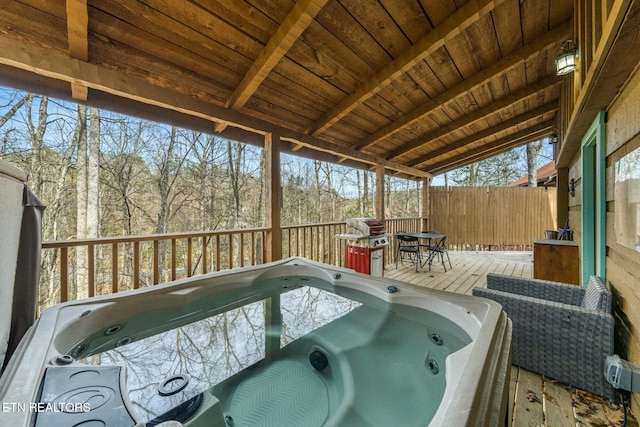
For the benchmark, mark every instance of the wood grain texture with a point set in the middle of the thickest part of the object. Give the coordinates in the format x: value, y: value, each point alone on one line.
x: 376, y: 76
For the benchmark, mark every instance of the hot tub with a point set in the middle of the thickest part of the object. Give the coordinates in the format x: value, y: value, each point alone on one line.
x: 291, y: 343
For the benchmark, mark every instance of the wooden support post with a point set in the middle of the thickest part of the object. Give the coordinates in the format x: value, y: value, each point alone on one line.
x: 426, y: 219
x: 562, y: 197
x: 380, y: 192
x: 273, y: 197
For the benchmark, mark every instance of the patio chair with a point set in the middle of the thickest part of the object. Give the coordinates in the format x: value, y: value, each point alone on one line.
x: 562, y: 331
x: 439, y: 249
x: 409, y: 246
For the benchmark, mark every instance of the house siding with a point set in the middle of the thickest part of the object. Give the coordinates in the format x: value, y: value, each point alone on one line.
x: 622, y: 263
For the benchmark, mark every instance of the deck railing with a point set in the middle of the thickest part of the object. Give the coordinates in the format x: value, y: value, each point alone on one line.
x: 472, y: 218
x: 113, y: 264
x: 87, y: 267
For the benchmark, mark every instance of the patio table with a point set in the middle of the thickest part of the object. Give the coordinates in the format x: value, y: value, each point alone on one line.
x: 421, y: 236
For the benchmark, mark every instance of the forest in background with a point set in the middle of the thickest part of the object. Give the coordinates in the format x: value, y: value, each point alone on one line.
x: 103, y: 174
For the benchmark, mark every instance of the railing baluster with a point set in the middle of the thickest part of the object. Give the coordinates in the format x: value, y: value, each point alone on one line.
x: 241, y: 249
x: 230, y: 255
x: 253, y: 248
x: 204, y: 254
x: 136, y: 265
x: 114, y: 267
x: 91, y: 270
x: 189, y: 254
x: 64, y: 274
x: 218, y: 253
x: 156, y: 262
x: 173, y: 259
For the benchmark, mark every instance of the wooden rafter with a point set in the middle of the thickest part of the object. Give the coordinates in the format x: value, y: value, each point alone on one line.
x: 287, y: 34
x: 347, y: 153
x: 62, y: 67
x: 545, y: 42
x: 495, y: 107
x: 501, y: 145
x: 77, y: 29
x: 466, y: 16
x: 475, y: 138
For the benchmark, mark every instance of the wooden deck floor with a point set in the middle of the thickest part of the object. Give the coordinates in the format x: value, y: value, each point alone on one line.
x: 533, y: 399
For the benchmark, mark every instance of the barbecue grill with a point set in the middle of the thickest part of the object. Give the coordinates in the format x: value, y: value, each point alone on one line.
x: 365, y: 240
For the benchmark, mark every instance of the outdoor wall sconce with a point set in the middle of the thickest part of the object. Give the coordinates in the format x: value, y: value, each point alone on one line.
x: 567, y: 60
x: 572, y: 187
x: 553, y: 139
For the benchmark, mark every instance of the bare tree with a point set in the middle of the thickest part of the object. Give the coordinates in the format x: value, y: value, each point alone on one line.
x: 36, y: 134
x: 80, y: 137
x: 533, y: 148
x: 93, y: 174
x: 235, y: 156
x: 13, y: 110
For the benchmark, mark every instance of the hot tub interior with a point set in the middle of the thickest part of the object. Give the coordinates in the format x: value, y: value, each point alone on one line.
x: 284, y: 351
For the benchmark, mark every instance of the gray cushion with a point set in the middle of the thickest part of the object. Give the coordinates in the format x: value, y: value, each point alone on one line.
x: 596, y: 296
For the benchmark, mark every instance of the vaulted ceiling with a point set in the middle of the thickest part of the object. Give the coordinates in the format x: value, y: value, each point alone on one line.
x: 420, y: 86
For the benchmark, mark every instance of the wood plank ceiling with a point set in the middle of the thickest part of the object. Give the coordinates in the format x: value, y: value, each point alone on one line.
x: 421, y: 86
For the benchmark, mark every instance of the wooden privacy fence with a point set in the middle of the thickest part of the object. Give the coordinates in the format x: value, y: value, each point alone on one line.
x: 494, y: 218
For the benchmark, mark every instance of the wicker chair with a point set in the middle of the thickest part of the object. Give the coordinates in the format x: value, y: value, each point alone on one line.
x: 562, y: 331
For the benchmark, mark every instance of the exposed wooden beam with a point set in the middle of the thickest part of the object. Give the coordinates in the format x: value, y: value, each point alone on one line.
x: 77, y: 37
x: 77, y: 28
x: 79, y: 91
x: 56, y: 66
x: 347, y: 153
x: 486, y: 155
x: 543, y: 43
x: 476, y: 137
x: 296, y: 147
x: 501, y: 145
x: 493, y: 108
x: 457, y: 23
x: 302, y: 14
x: 482, y: 156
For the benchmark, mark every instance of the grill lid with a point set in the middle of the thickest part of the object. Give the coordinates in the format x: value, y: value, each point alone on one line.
x: 365, y: 226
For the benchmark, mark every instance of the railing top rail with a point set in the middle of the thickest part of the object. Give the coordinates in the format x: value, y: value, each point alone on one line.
x: 181, y: 235
x: 147, y: 237
x: 315, y: 224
